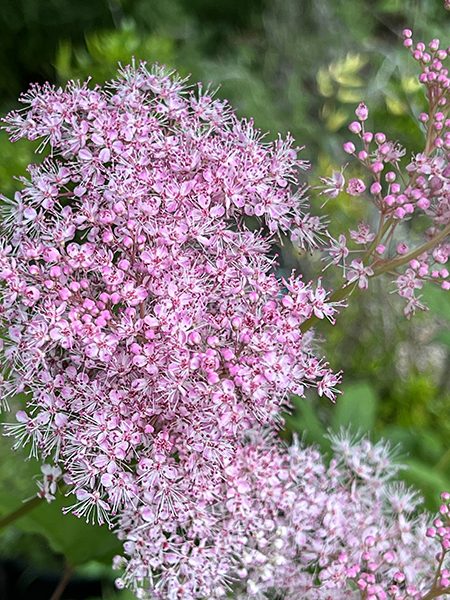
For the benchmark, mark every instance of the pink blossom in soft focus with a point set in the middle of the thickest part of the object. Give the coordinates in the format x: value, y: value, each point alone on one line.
x: 338, y: 251
x: 358, y: 272
x: 332, y: 186
x: 292, y: 522
x: 363, y: 235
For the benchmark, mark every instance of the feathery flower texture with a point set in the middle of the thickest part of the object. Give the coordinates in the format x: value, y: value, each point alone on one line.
x: 289, y: 527
x: 143, y: 320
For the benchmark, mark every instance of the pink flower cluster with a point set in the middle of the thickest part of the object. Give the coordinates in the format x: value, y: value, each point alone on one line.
x: 423, y: 189
x: 144, y: 322
x: 143, y: 318
x: 292, y: 526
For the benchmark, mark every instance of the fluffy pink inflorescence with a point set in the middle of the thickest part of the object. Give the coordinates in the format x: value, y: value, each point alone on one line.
x: 143, y: 318
x: 290, y: 526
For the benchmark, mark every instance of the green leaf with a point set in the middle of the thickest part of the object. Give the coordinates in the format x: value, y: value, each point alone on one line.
x: 69, y: 535
x: 438, y: 300
x: 66, y: 534
x: 427, y: 480
x: 402, y: 437
x: 305, y: 422
x: 356, y: 408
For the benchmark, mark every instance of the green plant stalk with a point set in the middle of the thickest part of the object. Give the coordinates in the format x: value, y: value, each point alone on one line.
x: 403, y: 260
x: 26, y: 507
x: 389, y: 265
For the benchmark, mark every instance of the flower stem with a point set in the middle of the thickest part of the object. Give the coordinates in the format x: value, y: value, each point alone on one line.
x: 67, y: 575
x: 388, y: 265
x: 26, y: 507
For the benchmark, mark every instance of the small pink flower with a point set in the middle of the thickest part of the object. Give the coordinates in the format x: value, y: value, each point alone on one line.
x: 362, y: 112
x: 358, y: 272
x: 355, y: 187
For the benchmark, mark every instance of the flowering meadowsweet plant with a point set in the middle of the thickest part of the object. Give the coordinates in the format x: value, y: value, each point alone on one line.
x: 142, y: 318
x: 421, y: 189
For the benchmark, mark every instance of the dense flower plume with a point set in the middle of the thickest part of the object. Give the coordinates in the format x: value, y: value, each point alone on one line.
x: 289, y: 526
x: 143, y: 318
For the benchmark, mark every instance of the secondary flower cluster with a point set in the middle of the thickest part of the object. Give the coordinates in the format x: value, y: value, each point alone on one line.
x: 291, y: 525
x: 143, y: 318
x: 424, y: 189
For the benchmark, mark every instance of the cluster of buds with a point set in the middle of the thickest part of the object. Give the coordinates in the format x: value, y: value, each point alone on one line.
x: 423, y: 189
x: 142, y: 316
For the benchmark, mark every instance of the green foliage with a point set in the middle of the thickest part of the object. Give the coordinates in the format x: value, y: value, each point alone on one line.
x: 357, y: 407
x: 106, y: 49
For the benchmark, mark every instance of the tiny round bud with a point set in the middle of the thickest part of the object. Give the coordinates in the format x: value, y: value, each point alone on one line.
x: 362, y: 112
x: 119, y: 208
x: 434, y: 45
x: 399, y: 213
x: 362, y: 155
x: 349, y: 147
x: 355, y: 127
x: 423, y: 203
x: 390, y: 176
x: 108, y: 237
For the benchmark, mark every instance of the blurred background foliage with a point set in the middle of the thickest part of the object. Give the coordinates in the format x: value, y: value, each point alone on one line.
x: 298, y: 66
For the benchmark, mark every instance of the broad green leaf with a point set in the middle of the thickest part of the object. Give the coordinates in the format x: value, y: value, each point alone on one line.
x: 306, y: 422
x: 356, y: 408
x: 428, y: 481
x: 66, y: 534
